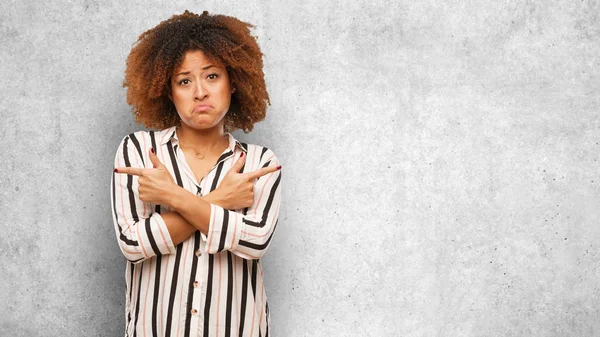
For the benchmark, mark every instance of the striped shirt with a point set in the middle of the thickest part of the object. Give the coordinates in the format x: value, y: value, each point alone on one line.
x: 208, y: 285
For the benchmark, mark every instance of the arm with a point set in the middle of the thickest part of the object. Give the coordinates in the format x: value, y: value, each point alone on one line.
x: 142, y: 233
x: 246, y: 234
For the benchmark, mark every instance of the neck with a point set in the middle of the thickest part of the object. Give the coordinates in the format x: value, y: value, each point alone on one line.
x: 200, y: 139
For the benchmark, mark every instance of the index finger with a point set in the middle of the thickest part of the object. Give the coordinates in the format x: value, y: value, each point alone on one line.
x: 136, y: 171
x: 261, y: 172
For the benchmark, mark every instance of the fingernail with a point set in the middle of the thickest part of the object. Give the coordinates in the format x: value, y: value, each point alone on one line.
x: 242, y: 155
x: 152, y: 149
x: 279, y: 167
x: 116, y: 171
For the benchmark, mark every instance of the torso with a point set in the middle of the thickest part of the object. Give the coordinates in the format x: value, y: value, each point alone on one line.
x: 200, y: 167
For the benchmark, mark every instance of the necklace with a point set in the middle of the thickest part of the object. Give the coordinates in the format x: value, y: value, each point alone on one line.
x: 199, y: 155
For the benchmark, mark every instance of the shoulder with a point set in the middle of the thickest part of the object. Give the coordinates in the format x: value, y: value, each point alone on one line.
x: 144, y: 139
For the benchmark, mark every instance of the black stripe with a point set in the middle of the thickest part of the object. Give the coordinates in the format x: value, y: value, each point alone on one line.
x: 225, y: 155
x: 229, y: 295
x: 217, y: 176
x: 264, y: 149
x: 132, y: 268
x: 224, y: 230
x: 174, y: 162
x: 267, y: 319
x: 245, y: 146
x: 188, y: 315
x: 259, y: 246
x: 137, y: 146
x: 211, y: 258
x: 151, y: 238
x: 173, y: 290
x: 265, y: 212
x: 153, y: 141
x: 155, y: 300
x: 210, y: 264
x: 253, y: 280
x: 179, y: 250
x: 244, y: 295
x: 130, y: 183
x: 121, y: 236
x: 137, y: 305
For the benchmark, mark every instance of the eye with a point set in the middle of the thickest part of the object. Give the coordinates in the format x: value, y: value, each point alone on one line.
x: 184, y: 81
x: 213, y: 76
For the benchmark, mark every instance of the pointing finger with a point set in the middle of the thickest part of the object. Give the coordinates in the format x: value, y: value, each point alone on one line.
x: 136, y: 171
x: 261, y: 172
x: 239, y: 163
x: 154, y: 159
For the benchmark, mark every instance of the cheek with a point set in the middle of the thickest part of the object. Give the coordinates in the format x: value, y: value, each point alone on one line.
x: 179, y: 97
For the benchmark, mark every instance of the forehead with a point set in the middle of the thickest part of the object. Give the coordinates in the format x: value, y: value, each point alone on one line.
x: 196, y: 60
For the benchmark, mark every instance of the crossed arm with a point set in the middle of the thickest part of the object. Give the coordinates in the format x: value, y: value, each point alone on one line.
x: 143, y: 232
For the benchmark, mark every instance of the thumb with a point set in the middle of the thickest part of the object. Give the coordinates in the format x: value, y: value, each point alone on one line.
x: 154, y: 159
x: 239, y: 163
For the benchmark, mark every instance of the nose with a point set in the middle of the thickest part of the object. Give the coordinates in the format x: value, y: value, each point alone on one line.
x: 199, y: 91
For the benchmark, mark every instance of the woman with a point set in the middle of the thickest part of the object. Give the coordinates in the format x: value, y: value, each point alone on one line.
x: 195, y: 209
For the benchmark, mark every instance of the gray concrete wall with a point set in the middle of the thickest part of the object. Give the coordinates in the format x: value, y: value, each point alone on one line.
x: 440, y: 158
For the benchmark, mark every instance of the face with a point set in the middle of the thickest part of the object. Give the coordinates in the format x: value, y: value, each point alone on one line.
x: 201, y: 92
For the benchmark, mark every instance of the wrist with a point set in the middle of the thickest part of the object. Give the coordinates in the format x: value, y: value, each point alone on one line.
x: 176, y: 198
x: 214, y: 198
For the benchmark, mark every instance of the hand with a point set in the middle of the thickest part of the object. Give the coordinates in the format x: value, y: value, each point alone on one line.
x: 155, y: 184
x: 236, y: 190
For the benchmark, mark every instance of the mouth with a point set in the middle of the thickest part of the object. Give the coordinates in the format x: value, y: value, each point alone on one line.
x: 202, y: 108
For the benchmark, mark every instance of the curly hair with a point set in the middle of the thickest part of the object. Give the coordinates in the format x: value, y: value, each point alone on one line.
x: 224, y: 40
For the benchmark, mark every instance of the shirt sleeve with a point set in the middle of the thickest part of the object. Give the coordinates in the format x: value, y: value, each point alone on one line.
x: 141, y: 233
x: 248, y: 235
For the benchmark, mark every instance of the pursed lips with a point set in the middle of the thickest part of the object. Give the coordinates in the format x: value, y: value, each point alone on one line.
x: 203, y: 107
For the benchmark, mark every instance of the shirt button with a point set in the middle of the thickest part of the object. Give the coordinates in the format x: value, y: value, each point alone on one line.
x: 194, y: 311
x: 198, y: 253
x: 196, y: 284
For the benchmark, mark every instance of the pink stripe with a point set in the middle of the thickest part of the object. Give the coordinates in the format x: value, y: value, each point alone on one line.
x: 140, y: 240
x: 162, y: 296
x: 235, y: 294
x: 253, y: 312
x: 146, y: 301
x: 213, y: 214
x: 263, y: 297
x: 137, y: 161
x: 132, y: 303
x: 218, y: 297
x: 164, y: 239
x: 162, y: 160
x: 234, y: 228
x: 122, y: 198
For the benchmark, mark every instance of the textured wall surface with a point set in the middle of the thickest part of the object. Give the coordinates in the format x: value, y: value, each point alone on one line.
x: 440, y: 163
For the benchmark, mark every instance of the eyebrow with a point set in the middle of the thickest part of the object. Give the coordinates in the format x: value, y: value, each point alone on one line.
x: 203, y: 68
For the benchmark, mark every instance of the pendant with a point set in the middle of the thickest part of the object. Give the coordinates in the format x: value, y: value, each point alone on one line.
x: 199, y: 156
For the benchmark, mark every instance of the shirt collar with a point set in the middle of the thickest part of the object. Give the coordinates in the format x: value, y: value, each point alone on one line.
x: 169, y: 134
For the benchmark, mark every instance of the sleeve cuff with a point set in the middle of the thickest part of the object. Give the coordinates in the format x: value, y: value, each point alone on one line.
x: 224, y: 230
x: 154, y: 237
